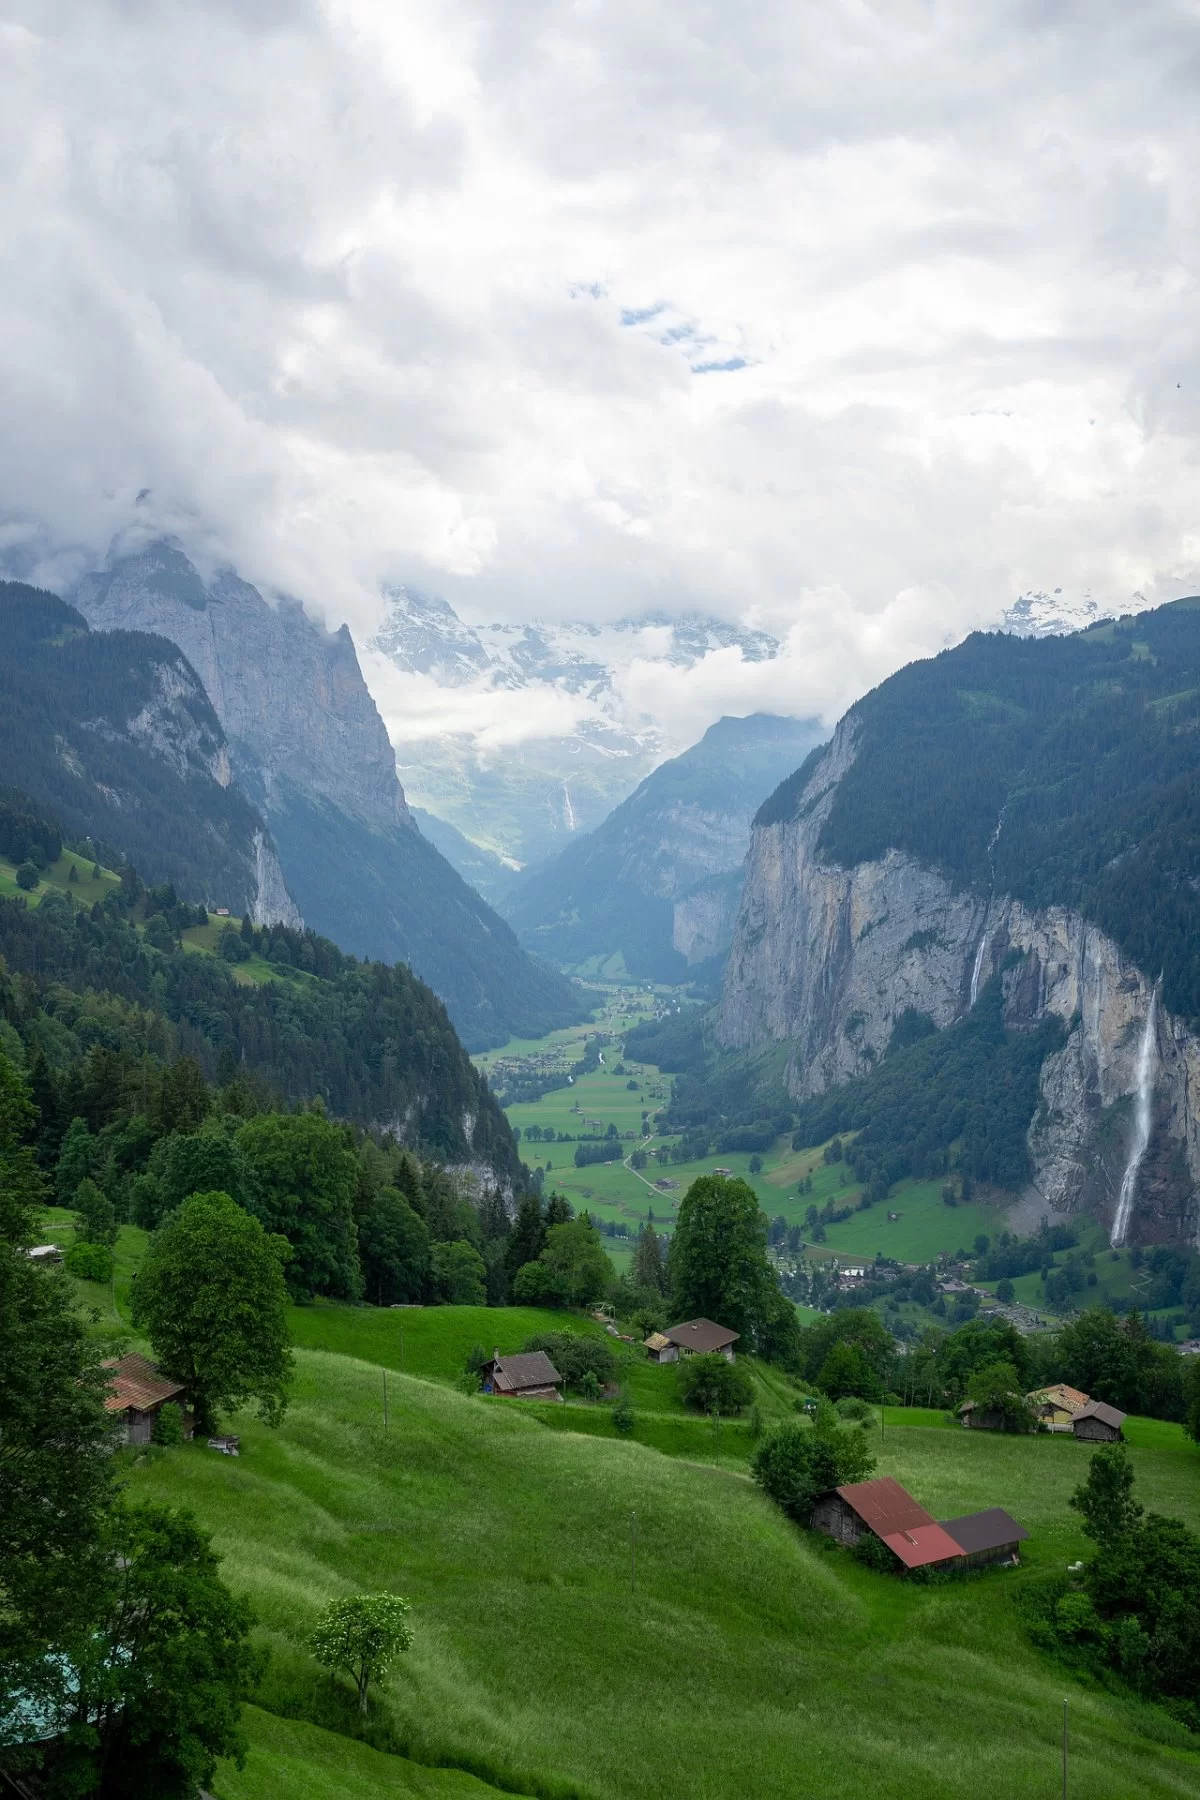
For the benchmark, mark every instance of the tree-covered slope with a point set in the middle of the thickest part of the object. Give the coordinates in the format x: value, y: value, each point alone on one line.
x: 114, y: 732
x: 1062, y: 771
x: 688, y: 824
x: 304, y: 1019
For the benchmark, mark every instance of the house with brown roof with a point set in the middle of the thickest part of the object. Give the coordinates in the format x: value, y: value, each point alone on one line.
x: 137, y: 1393
x: 528, y: 1376
x: 1055, y: 1407
x: 1098, y: 1423
x: 887, y: 1511
x: 884, y: 1508
x: 695, y: 1337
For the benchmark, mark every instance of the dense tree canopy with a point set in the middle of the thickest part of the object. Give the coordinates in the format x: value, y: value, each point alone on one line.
x: 305, y: 1175
x: 211, y: 1298
x: 718, y: 1259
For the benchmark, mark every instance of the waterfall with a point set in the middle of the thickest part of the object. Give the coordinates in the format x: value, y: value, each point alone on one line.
x: 978, y: 969
x: 1141, y: 1125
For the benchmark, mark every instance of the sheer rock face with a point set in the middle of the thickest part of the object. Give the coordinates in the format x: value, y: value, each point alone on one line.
x: 827, y: 958
x: 289, y: 694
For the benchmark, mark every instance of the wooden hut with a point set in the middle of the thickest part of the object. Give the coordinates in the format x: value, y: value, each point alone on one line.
x: 1055, y: 1407
x: 137, y: 1392
x: 529, y: 1376
x: 884, y: 1508
x: 1098, y: 1423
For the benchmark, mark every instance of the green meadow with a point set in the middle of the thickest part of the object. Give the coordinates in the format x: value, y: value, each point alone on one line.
x: 750, y: 1658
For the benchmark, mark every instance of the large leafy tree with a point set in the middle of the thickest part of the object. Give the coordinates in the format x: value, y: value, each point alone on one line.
x: 458, y: 1273
x: 797, y: 1463
x: 307, y: 1176
x: 159, y: 1670
x: 212, y: 1300
x: 209, y: 1161
x: 1105, y: 1500
x: 718, y: 1257
x: 996, y: 1389
x: 55, y: 1466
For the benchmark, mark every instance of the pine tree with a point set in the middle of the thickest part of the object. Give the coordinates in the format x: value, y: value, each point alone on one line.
x: 76, y: 1161
x: 648, y: 1269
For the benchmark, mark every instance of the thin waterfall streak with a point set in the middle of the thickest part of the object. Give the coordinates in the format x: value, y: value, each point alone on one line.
x: 978, y: 969
x: 1141, y: 1125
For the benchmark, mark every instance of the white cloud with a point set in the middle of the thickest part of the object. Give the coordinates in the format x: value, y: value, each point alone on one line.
x: 858, y: 322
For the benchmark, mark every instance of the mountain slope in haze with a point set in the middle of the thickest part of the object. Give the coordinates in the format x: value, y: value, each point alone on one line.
x: 116, y: 735
x: 659, y: 879
x: 1027, y: 811
x: 308, y: 744
x: 528, y: 802
x: 483, y: 870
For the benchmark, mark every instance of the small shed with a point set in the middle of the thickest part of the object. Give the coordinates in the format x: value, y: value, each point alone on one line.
x: 992, y: 1536
x: 1098, y: 1423
x: 528, y: 1376
x: 137, y: 1392
x: 699, y: 1337
x: 660, y: 1349
x: 1055, y: 1407
x: 975, y: 1418
x: 44, y: 1253
x: 887, y: 1510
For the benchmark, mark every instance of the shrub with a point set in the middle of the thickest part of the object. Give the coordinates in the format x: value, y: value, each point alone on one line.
x: 623, y: 1416
x: 363, y: 1634
x: 89, y: 1262
x: 875, y: 1554
x: 576, y: 1356
x: 28, y: 877
x: 168, y: 1427
x: 710, y: 1384
x: 850, y: 1408
x: 798, y: 1462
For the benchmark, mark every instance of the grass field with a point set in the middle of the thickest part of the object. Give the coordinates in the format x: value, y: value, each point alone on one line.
x: 751, y: 1660
x: 58, y: 875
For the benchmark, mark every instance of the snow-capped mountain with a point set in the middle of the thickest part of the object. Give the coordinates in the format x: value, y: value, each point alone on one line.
x: 524, y: 800
x: 1041, y: 615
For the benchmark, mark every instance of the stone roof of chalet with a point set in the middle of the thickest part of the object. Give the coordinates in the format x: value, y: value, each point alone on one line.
x: 1070, y: 1399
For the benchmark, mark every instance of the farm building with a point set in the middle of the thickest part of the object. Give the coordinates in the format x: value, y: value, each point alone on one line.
x: 1055, y: 1407
x: 138, y: 1392
x: 884, y: 1508
x: 978, y: 1418
x: 696, y: 1337
x: 529, y: 1376
x: 1098, y: 1424
x: 44, y: 1253
x: 992, y: 1536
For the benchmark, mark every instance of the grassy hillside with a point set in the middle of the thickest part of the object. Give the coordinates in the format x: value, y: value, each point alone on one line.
x: 750, y: 1659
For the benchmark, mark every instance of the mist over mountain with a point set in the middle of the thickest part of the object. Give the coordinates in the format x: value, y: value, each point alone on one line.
x: 657, y: 884
x: 521, y: 780
x: 114, y: 732
x: 307, y: 745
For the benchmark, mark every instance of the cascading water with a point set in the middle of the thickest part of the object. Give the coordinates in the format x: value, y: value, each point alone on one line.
x: 1141, y: 1125
x: 981, y: 947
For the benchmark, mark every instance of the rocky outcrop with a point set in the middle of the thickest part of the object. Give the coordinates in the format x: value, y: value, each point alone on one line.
x: 704, y: 918
x: 826, y: 959
x: 309, y: 748
x: 289, y: 694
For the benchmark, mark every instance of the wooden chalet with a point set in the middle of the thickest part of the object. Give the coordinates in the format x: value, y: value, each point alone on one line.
x: 695, y: 1337
x: 137, y: 1393
x: 886, y: 1510
x: 1098, y: 1423
x: 528, y: 1376
x: 1055, y: 1407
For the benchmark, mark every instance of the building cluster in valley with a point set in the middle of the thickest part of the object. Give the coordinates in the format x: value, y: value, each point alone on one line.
x: 1058, y: 1408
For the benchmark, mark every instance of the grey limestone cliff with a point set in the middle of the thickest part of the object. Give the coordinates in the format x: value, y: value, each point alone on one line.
x: 826, y: 958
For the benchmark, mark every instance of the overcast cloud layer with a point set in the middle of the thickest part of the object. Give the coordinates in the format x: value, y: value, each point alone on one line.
x: 854, y: 322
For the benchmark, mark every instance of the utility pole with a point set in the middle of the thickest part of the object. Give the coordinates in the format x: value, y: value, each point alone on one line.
x: 1065, y: 1751
x: 633, y: 1552
x: 402, y: 1347
x: 385, y: 1415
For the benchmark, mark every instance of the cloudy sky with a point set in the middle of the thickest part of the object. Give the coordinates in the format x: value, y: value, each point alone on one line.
x: 854, y: 321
